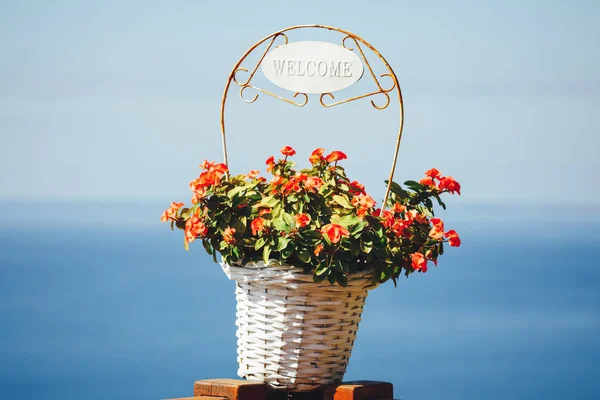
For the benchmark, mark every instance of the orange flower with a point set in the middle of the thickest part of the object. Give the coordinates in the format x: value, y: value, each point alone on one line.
x: 292, y: 186
x: 433, y: 173
x: 313, y: 183
x: 398, y: 208
x: 277, y: 180
x: 453, y: 238
x: 335, y: 156
x: 438, y: 228
x: 357, y: 188
x: 448, y: 183
x: 253, y: 174
x: 212, y: 176
x: 207, y: 164
x: 400, y: 226
x: 270, y: 163
x: 418, y: 262
x: 196, y: 197
x: 316, y: 156
x: 388, y: 219
x: 334, y: 232
x: 171, y: 212
x: 318, y: 249
x: 228, y: 235
x: 264, y: 211
x: 257, y: 225
x: 288, y: 151
x: 363, y: 200
x: 414, y: 215
x: 427, y: 182
x: 302, y: 220
x: 164, y: 217
x: 194, y: 227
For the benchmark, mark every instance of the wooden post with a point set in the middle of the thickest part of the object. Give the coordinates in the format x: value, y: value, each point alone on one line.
x: 235, y: 389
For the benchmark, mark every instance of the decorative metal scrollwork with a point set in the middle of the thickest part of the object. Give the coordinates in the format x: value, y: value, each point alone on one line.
x: 356, y: 46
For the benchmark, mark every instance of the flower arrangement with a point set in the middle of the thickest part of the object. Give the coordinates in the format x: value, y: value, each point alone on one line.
x: 316, y: 219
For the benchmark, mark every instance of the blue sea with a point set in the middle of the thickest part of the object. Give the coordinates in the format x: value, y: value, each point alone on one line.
x: 100, y: 301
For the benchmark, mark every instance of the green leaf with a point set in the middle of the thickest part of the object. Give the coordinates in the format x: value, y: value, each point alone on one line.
x: 259, y: 243
x: 342, y: 201
x: 397, y: 190
x: 342, y: 279
x: 236, y: 190
x: 440, y: 202
x: 240, y: 227
x: 349, y: 220
x: 266, y: 253
x: 280, y: 224
x: 207, y: 246
x: 322, y: 269
x: 415, y: 185
x: 289, y: 220
x: 366, y: 247
x: 304, y: 255
x: 283, y: 242
x: 357, y: 230
x: 269, y: 201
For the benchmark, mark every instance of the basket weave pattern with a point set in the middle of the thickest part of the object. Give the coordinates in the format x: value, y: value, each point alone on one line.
x: 293, y: 333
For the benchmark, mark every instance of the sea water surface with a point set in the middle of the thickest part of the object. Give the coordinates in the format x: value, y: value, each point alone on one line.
x: 100, y: 301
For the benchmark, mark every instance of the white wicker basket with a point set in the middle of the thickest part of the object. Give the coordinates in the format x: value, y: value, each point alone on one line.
x: 293, y: 333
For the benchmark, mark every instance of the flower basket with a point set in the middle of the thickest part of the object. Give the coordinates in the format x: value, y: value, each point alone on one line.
x: 304, y: 245
x: 293, y: 333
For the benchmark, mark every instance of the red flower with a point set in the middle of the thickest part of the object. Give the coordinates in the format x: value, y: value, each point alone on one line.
x: 427, y: 182
x: 448, y: 183
x: 194, y: 227
x: 171, y: 213
x: 388, y: 219
x: 292, y: 186
x: 334, y: 232
x: 316, y: 156
x: 335, y: 156
x: 302, y: 220
x: 414, y: 215
x: 438, y: 228
x: 418, y: 262
x: 398, y: 208
x: 270, y: 163
x: 264, y: 211
x: 253, y: 174
x: 257, y: 225
x: 400, y: 226
x: 288, y: 151
x: 212, y: 176
x: 357, y: 188
x: 207, y: 164
x: 433, y: 173
x: 363, y: 200
x: 313, y: 183
x: 453, y: 238
x: 228, y: 235
x: 318, y: 249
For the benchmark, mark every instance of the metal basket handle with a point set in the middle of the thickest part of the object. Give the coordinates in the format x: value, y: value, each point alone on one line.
x: 349, y: 37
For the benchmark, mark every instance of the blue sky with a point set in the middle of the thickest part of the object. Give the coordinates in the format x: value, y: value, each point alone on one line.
x: 120, y: 100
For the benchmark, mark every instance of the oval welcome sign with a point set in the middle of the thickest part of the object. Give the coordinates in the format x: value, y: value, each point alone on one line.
x: 312, y: 67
